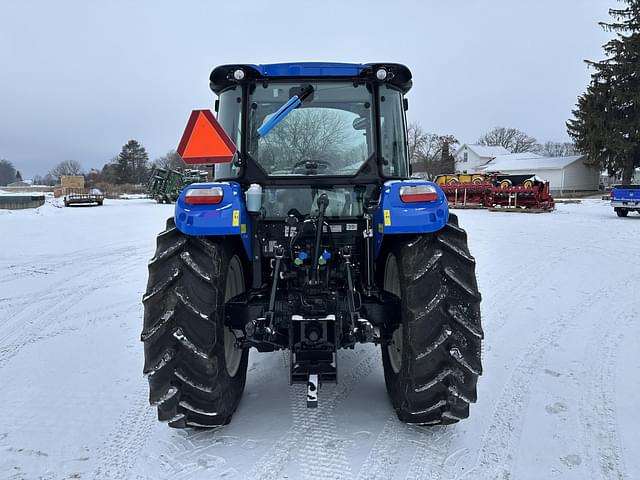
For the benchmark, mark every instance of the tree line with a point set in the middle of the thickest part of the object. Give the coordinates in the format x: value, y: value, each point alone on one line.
x: 130, y: 166
x: 8, y: 173
x: 431, y: 154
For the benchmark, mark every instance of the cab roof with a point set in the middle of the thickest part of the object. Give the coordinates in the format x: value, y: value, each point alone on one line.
x: 222, y: 77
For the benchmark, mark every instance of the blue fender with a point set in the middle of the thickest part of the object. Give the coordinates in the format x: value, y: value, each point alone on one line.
x: 395, y: 217
x: 229, y: 217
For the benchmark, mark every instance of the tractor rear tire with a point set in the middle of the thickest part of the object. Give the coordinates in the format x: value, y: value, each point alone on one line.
x: 622, y: 212
x: 433, y: 358
x: 195, y: 371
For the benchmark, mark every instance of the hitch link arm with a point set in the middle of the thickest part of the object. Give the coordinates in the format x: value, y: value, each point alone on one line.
x: 361, y: 329
x: 278, y: 253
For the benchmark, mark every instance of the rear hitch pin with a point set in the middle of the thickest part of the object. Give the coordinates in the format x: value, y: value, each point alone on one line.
x: 312, y: 391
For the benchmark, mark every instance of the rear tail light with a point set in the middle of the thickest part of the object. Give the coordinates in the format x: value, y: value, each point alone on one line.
x: 204, y: 196
x: 418, y: 193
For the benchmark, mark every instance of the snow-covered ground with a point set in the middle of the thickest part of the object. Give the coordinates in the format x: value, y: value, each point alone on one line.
x: 559, y: 397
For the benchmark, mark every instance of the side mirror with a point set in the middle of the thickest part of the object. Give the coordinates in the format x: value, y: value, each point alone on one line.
x: 360, y: 123
x: 204, y: 141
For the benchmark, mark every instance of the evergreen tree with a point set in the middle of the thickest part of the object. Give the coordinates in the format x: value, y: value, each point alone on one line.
x: 132, y: 163
x: 18, y: 176
x: 606, y: 123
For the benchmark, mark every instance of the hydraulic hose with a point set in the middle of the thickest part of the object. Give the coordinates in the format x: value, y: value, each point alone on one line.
x: 323, y: 203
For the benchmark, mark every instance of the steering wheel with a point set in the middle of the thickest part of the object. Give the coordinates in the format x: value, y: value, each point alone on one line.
x: 311, y: 165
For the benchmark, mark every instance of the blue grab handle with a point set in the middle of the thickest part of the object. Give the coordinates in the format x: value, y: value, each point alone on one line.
x: 280, y: 115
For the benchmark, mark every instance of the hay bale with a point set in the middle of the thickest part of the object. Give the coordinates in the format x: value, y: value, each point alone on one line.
x: 75, y: 182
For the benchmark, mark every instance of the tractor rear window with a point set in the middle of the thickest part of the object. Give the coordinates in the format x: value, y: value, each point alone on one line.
x: 300, y: 201
x: 330, y: 133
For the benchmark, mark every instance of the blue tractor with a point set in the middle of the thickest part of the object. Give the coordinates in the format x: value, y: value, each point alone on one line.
x: 312, y: 239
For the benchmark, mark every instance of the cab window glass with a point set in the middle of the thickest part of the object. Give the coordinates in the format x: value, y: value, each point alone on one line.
x: 392, y: 129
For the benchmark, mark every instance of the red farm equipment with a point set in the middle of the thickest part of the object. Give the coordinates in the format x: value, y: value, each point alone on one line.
x: 466, y: 190
x: 497, y: 192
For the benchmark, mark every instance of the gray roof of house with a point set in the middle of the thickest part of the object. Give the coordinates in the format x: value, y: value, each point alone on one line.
x: 529, y: 162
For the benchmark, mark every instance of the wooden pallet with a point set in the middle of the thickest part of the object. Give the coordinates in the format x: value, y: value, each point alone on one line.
x: 466, y: 207
x: 519, y: 210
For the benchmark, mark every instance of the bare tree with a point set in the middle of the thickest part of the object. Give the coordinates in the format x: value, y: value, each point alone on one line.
x: 430, y: 153
x: 170, y: 161
x: 418, y: 141
x: 512, y: 139
x: 556, y: 149
x: 310, y: 134
x: 68, y: 167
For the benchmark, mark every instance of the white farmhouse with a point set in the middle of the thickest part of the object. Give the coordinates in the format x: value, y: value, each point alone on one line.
x: 469, y: 158
x: 564, y: 174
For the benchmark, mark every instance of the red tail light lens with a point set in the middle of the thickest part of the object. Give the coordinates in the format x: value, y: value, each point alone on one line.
x: 418, y: 193
x: 204, y: 196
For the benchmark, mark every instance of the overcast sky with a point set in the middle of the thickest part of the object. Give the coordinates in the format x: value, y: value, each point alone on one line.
x: 80, y: 78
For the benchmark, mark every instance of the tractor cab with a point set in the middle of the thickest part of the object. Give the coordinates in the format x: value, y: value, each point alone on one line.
x: 321, y: 122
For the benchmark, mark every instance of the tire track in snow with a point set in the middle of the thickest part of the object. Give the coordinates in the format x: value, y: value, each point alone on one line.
x: 429, y: 459
x: 598, y: 414
x: 44, y: 265
x: 190, y: 455
x: 384, y: 456
x: 193, y: 453
x: 96, y: 316
x: 433, y: 453
x: 24, y: 334
x: 84, y: 274
x: 500, y: 440
x: 30, y: 322
x: 301, y: 443
x: 517, y: 285
x: 128, y: 439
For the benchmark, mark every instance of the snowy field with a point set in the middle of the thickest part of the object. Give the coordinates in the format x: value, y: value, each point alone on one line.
x: 559, y: 397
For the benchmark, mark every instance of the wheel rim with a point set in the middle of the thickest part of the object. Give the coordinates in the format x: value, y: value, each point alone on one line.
x: 392, y: 285
x: 235, y: 286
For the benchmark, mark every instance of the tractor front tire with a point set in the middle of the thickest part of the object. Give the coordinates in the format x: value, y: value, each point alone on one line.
x: 622, y: 212
x: 432, y: 358
x: 195, y: 371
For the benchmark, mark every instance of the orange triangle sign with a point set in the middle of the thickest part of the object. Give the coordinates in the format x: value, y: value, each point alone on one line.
x: 205, y: 141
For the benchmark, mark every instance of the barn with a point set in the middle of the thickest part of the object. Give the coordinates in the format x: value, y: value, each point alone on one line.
x: 564, y: 174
